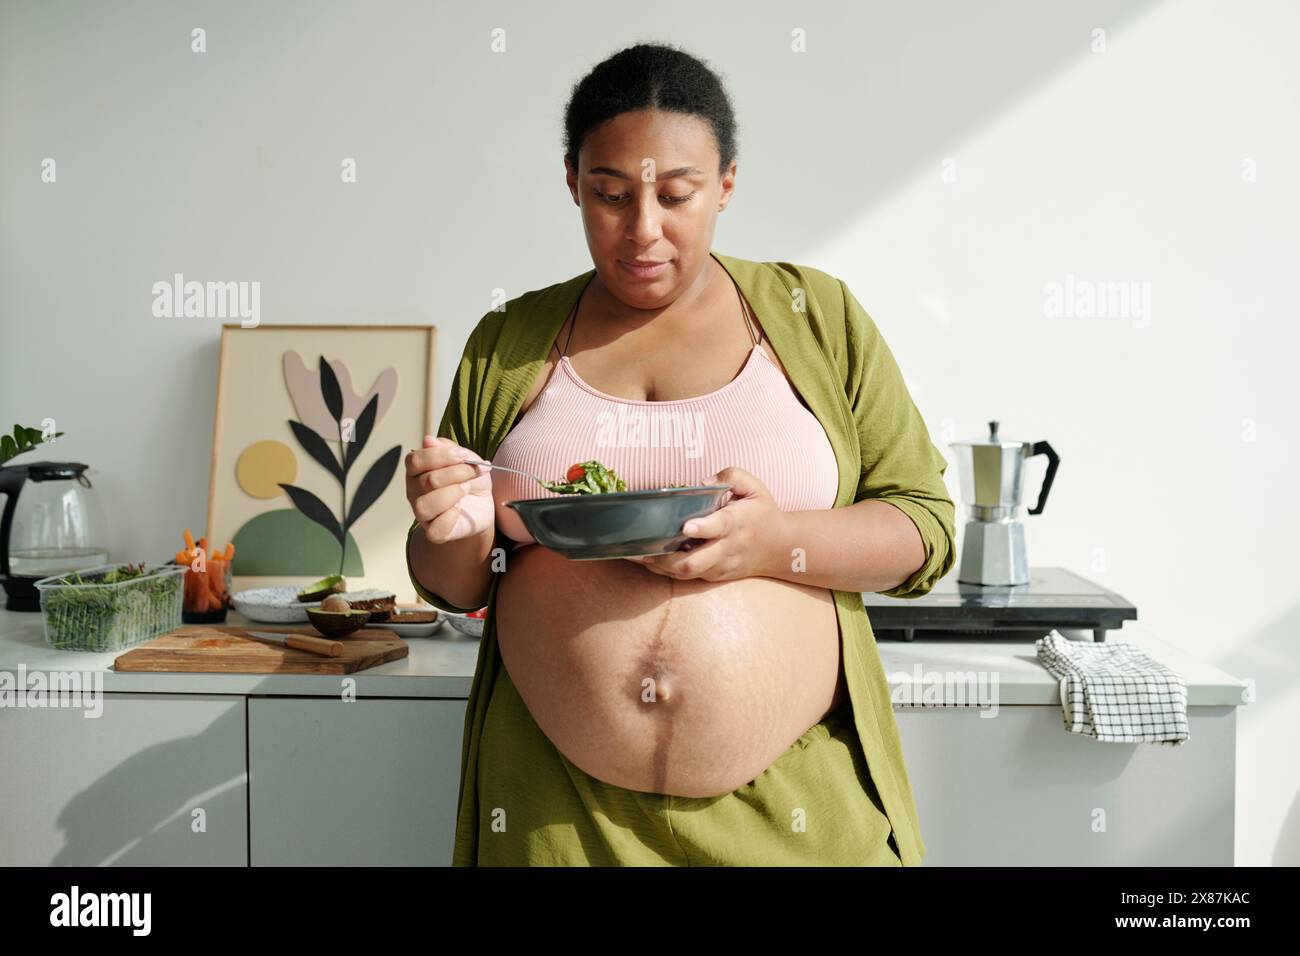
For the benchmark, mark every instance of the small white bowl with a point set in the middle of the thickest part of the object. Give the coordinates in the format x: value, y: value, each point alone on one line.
x: 473, y: 626
x: 272, y: 605
x: 426, y: 629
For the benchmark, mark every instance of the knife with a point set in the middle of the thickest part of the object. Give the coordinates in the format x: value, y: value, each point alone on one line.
x: 303, y: 642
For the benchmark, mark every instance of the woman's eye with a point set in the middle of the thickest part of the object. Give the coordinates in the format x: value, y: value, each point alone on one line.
x: 614, y: 200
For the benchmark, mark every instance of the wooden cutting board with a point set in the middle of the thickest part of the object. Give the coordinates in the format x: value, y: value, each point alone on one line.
x: 203, y: 648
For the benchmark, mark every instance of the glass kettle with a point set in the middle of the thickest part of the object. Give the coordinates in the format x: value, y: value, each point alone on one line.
x: 53, y: 522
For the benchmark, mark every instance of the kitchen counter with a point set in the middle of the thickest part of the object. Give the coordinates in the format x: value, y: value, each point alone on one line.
x: 1022, y: 680
x: 443, y: 666
x: 269, y: 762
x: 437, y: 667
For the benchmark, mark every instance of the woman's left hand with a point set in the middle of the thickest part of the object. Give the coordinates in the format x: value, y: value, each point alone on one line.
x: 739, y: 537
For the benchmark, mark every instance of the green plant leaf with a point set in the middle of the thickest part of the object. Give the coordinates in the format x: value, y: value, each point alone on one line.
x: 330, y: 391
x: 22, y: 440
x: 315, y: 446
x: 365, y: 424
x: 314, y: 508
x: 373, y: 485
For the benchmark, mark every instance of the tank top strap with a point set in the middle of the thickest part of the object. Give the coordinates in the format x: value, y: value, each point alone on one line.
x: 744, y: 311
x: 573, y: 320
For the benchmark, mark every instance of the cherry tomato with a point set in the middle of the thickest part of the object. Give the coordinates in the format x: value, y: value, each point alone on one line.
x: 575, y: 473
x: 480, y: 613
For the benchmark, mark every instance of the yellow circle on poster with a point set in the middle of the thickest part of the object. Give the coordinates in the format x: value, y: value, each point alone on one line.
x: 263, y: 464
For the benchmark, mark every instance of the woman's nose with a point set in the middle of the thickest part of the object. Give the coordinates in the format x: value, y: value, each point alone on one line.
x: 646, y: 226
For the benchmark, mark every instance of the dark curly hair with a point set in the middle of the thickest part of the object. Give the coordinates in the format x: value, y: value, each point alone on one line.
x: 649, y: 76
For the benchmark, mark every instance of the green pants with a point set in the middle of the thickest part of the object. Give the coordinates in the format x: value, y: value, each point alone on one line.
x: 815, y: 806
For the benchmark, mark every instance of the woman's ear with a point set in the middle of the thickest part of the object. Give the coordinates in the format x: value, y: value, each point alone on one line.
x: 571, y: 179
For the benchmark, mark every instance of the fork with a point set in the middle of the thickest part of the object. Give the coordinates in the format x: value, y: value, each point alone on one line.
x: 488, y: 464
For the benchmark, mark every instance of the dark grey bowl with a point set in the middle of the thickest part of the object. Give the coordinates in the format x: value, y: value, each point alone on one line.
x: 620, y: 524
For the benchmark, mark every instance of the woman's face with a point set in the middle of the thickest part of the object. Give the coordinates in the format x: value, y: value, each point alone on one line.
x: 649, y: 189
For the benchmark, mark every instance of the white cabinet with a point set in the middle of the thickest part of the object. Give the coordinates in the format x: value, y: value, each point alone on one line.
x: 154, y: 780
x: 344, y: 783
x: 1017, y: 790
x: 276, y: 769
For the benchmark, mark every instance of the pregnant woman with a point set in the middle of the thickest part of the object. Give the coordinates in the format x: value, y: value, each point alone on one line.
x: 724, y: 704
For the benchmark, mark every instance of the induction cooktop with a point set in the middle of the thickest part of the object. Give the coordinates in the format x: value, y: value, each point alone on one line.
x: 1053, y: 599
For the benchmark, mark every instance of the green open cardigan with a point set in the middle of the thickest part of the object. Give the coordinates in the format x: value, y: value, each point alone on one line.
x: 847, y: 375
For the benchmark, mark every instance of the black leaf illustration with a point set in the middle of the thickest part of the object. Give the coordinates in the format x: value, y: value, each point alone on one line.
x: 373, y: 485
x: 315, y: 509
x: 329, y: 390
x: 317, y: 448
x: 360, y: 433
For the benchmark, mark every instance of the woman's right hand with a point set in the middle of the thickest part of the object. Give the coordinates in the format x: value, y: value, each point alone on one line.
x: 451, y: 498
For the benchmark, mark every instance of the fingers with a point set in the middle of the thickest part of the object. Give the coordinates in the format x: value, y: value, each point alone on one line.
x: 696, y: 562
x: 452, y: 513
x: 744, y: 484
x: 438, y: 466
x: 449, y: 524
x: 426, y: 507
x: 437, y: 453
x: 469, y: 515
x: 449, y: 495
x: 452, y: 475
x: 714, y: 525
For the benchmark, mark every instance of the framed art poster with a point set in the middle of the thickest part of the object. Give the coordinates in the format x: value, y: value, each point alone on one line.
x: 312, y: 423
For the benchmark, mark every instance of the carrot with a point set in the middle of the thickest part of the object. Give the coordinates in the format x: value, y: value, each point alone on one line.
x: 223, y: 593
x: 230, y: 551
x: 203, y: 543
x: 192, y: 590
x: 182, y: 557
x: 189, y: 540
x: 202, y: 594
x: 217, y: 582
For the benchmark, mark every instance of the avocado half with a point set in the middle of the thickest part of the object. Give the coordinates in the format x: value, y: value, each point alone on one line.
x: 333, y: 584
x: 337, y: 623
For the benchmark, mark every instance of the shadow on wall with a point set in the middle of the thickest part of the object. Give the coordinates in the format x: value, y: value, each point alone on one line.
x: 919, y: 79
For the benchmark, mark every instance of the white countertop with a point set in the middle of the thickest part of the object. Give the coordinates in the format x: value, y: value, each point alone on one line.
x: 438, y: 666
x: 443, y: 666
x: 1020, y: 679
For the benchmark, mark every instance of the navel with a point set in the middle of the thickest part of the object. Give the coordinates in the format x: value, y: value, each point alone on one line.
x: 656, y: 684
x: 656, y: 688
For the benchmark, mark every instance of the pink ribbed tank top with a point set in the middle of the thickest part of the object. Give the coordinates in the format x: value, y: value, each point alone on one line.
x: 755, y: 422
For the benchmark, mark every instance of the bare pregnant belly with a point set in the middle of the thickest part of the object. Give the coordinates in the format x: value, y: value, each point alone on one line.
x: 691, y: 688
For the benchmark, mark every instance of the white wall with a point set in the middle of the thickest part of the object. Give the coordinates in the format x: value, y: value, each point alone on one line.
x: 1176, y: 427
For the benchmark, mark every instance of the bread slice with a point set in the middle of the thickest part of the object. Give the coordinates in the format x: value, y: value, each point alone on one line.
x: 378, y: 602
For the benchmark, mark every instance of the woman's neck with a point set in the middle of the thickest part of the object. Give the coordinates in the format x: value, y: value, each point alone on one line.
x: 695, y: 300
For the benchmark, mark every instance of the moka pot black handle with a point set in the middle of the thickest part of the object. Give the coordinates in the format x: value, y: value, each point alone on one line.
x: 1053, y: 460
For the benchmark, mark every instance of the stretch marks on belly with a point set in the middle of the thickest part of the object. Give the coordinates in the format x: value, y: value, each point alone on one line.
x: 657, y: 689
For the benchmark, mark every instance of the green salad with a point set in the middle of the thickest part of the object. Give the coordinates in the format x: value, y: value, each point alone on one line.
x: 84, y: 612
x: 588, y: 478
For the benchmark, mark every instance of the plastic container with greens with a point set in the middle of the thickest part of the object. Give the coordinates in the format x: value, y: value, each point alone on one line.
x: 112, y: 606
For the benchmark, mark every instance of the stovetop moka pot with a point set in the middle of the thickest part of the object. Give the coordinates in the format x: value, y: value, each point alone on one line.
x: 992, y: 475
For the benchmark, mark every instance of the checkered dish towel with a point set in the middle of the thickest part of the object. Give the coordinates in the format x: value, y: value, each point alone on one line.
x: 1113, y: 691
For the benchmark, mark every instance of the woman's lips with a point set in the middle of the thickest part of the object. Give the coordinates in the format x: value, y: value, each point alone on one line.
x: 642, y: 271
